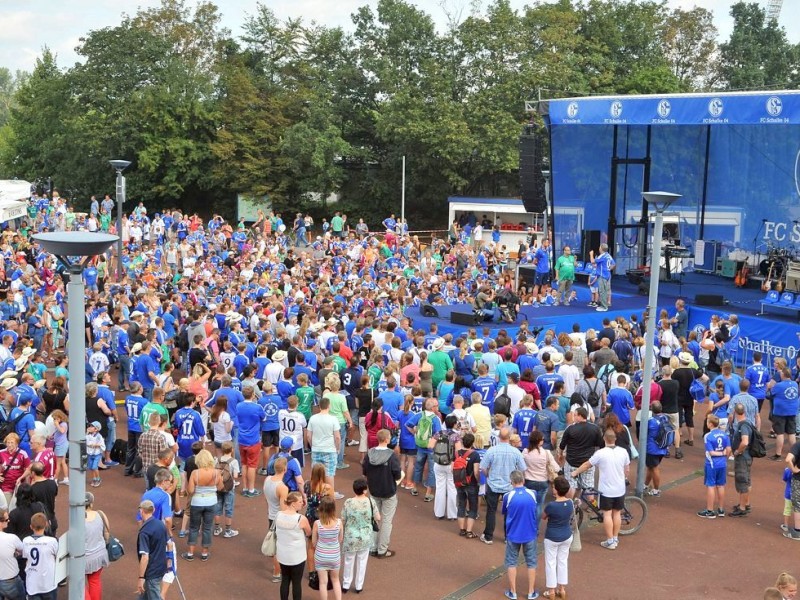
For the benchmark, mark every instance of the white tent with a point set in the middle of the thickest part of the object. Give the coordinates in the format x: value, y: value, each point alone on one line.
x: 12, y: 193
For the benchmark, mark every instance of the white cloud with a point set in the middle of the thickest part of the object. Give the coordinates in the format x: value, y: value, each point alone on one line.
x: 27, y: 25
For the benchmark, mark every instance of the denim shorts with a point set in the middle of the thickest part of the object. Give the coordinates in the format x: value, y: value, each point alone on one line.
x: 528, y: 550
x: 93, y: 461
x: 225, y: 503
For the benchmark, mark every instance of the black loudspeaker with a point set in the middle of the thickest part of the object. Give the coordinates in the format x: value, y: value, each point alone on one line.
x: 532, y: 151
x: 462, y: 318
x: 590, y: 241
x: 709, y: 300
x: 427, y: 310
x: 527, y: 274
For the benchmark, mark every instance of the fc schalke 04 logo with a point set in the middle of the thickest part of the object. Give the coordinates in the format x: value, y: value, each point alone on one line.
x: 572, y: 110
x: 664, y: 108
x: 616, y: 109
x: 774, y: 106
x: 715, y: 107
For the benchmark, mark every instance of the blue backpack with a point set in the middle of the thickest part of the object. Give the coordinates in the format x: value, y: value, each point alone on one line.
x: 697, y: 390
x: 665, y: 436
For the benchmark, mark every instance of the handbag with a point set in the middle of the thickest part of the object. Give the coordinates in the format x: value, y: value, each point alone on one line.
x: 114, y: 547
x: 375, y: 526
x: 269, y: 547
x: 393, y: 432
x: 575, y: 544
x: 552, y: 467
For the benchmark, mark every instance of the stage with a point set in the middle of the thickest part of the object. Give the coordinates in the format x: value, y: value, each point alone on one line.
x: 773, y: 334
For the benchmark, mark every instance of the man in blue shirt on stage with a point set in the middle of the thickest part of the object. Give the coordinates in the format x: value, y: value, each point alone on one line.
x: 604, y: 264
x: 522, y: 529
x: 541, y: 279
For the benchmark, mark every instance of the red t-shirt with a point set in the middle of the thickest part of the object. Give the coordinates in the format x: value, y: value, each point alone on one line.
x: 48, y: 459
x: 13, y: 465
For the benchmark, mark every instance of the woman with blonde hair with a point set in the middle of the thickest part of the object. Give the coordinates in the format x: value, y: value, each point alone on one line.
x: 203, y: 485
x: 292, y: 530
x: 425, y: 375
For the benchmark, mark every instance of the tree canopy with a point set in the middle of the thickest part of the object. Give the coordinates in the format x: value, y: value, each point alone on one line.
x: 298, y: 111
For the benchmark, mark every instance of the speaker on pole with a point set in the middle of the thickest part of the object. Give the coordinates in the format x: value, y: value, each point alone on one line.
x: 531, y: 162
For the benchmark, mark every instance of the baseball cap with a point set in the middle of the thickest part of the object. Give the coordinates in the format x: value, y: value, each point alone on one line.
x: 286, y: 443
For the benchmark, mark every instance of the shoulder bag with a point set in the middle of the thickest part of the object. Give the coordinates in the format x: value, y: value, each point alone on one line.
x: 269, y: 547
x: 114, y: 547
x: 375, y: 526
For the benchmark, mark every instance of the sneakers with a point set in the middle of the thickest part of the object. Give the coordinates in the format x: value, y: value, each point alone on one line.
x: 217, y: 530
x: 533, y: 595
x: 251, y: 493
x: 592, y: 304
x: 707, y: 514
x: 784, y: 527
x: 64, y: 481
x: 352, y: 443
x: 263, y: 472
x: 609, y: 544
x: 654, y: 493
x: 738, y: 512
x: 792, y: 535
x: 485, y: 540
x: 678, y: 453
x: 775, y: 457
x: 111, y: 463
x: 602, y: 309
x: 343, y: 466
x: 510, y: 595
x: 338, y: 496
x: 721, y: 513
x: 229, y: 533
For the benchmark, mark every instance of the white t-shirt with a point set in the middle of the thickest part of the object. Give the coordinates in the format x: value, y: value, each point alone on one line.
x: 516, y: 394
x: 612, y: 461
x: 323, y: 427
x: 292, y: 424
x: 9, y: 544
x: 220, y: 433
x: 41, y: 568
x: 571, y: 376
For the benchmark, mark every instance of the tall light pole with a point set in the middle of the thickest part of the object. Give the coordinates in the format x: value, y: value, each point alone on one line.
x: 74, y: 249
x: 403, y: 196
x: 119, y: 167
x: 659, y: 201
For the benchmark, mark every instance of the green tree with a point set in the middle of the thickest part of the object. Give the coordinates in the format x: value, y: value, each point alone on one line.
x: 690, y: 40
x: 757, y: 55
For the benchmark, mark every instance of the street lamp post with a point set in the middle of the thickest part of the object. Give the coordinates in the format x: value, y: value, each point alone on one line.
x: 74, y: 249
x: 119, y: 167
x: 659, y: 201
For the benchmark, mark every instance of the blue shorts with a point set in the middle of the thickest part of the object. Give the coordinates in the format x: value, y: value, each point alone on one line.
x: 528, y: 550
x: 328, y: 459
x: 715, y: 476
x: 93, y: 461
x: 541, y: 278
x: 225, y: 503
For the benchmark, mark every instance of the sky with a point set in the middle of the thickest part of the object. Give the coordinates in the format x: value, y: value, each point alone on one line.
x: 27, y: 25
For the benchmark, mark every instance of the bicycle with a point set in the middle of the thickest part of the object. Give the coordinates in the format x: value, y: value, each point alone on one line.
x: 634, y: 514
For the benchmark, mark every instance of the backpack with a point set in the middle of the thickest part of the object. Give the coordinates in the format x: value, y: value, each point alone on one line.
x: 502, y: 403
x: 460, y: 475
x: 183, y: 339
x: 119, y: 451
x: 443, y: 449
x: 424, y: 428
x: 606, y: 371
x: 722, y: 355
x: 756, y: 446
x: 227, y: 476
x: 10, y: 426
x: 665, y: 436
x: 593, y: 398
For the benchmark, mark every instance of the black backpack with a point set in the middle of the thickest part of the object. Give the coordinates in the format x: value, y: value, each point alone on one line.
x: 502, y: 403
x: 593, y: 398
x: 10, y: 426
x: 183, y: 339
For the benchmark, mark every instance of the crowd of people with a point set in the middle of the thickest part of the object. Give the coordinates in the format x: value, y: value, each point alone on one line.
x: 263, y: 351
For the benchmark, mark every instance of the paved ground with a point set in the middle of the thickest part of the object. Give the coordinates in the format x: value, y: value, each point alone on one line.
x: 675, y: 555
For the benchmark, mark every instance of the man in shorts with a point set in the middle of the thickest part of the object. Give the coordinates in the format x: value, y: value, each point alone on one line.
x: 250, y: 415
x: 718, y: 447
x: 323, y: 435
x: 742, y: 433
x: 652, y: 480
x: 614, y: 463
x: 522, y: 529
x: 785, y: 406
x: 578, y: 444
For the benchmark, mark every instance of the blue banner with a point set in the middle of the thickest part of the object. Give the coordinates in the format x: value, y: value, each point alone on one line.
x: 764, y: 108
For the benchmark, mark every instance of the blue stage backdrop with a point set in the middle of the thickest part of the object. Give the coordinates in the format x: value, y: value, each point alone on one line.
x: 751, y: 143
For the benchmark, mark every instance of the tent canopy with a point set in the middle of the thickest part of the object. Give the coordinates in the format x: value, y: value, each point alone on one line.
x: 14, y: 189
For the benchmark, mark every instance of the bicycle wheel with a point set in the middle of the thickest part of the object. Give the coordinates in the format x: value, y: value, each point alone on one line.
x: 633, y: 515
x: 578, y: 516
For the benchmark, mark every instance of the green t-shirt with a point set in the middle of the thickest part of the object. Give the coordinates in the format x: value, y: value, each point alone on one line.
x: 149, y: 409
x: 441, y: 363
x: 374, y: 373
x: 565, y: 267
x: 339, y: 364
x: 305, y: 400
x: 337, y: 224
x: 338, y: 406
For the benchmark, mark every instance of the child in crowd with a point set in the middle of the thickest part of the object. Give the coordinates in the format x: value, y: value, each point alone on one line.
x: 718, y: 447
x: 40, y: 550
x: 787, y: 501
x: 787, y: 586
x: 95, y: 446
x: 593, y: 286
x: 225, y: 500
x: 500, y: 421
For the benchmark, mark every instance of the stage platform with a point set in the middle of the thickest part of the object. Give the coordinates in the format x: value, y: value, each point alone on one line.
x: 772, y: 334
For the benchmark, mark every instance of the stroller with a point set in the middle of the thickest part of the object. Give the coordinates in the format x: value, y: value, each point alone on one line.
x: 507, y: 302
